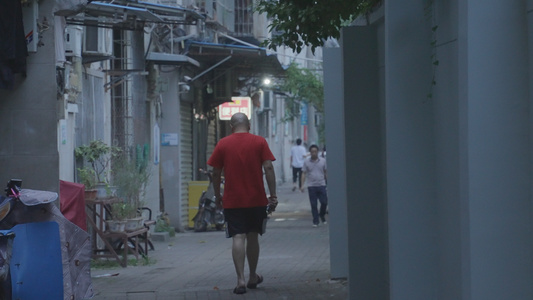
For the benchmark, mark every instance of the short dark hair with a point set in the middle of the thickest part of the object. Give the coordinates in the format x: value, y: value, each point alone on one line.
x: 313, y: 146
x: 298, y: 141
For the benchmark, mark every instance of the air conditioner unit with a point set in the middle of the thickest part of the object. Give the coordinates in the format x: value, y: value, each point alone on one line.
x: 73, y: 36
x: 98, y: 41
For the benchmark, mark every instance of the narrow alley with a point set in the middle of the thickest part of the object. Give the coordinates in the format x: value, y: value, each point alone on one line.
x: 294, y: 261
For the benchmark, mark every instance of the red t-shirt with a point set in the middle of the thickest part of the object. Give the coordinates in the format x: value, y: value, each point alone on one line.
x: 241, y: 156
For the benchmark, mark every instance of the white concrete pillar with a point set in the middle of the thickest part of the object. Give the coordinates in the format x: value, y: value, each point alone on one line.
x: 363, y: 171
x: 336, y: 134
x: 497, y: 150
x: 410, y: 152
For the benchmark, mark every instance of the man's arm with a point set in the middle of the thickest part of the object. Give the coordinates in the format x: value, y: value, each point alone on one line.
x: 326, y: 173
x: 303, y: 179
x: 217, y: 179
x: 270, y: 176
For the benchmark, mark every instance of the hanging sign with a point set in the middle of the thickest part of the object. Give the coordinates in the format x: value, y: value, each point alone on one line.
x: 237, y: 104
x: 303, y: 115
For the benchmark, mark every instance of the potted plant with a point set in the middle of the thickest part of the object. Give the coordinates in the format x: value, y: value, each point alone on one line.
x: 120, y: 211
x: 131, y: 179
x: 99, y: 156
x: 88, y: 178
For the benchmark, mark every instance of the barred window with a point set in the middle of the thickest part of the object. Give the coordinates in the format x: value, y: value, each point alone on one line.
x: 243, y: 17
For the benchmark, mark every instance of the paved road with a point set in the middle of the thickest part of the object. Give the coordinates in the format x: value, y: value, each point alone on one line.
x: 294, y: 261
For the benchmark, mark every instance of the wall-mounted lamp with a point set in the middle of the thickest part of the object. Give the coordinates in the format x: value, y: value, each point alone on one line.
x: 184, y: 87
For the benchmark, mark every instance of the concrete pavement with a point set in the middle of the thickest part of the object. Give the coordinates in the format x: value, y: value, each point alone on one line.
x: 294, y: 261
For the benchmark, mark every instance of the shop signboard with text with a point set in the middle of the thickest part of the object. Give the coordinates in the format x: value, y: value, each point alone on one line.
x: 237, y: 104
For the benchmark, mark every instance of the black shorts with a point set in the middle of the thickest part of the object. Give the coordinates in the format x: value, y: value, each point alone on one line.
x: 245, y: 220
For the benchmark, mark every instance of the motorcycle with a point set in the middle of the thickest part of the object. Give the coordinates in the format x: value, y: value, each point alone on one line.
x: 208, y: 213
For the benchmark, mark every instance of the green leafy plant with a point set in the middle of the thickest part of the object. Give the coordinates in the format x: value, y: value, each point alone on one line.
x: 302, y: 84
x: 87, y: 177
x: 131, y: 176
x: 297, y: 23
x: 163, y: 225
x: 123, y: 210
x: 429, y: 12
x: 106, y: 263
x: 99, y: 155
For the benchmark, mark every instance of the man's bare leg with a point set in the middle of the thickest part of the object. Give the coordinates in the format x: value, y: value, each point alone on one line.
x: 238, y: 253
x: 252, y: 253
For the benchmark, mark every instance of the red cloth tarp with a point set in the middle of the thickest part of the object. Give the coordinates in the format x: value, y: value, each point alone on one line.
x: 72, y: 202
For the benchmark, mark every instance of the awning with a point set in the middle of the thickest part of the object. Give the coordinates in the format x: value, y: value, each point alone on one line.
x: 170, y: 59
x: 230, y: 60
x: 132, y: 15
x: 245, y: 60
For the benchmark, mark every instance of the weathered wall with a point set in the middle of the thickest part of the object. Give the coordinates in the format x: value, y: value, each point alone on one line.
x: 456, y: 166
x: 29, y: 116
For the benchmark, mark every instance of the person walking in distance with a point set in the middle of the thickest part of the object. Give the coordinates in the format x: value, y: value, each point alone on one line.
x: 315, y: 172
x: 242, y: 157
x: 297, y: 162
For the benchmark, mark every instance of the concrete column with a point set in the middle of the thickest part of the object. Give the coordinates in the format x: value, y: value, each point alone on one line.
x: 452, y: 173
x: 498, y: 151
x: 362, y: 116
x: 169, y: 159
x: 336, y: 133
x: 410, y: 152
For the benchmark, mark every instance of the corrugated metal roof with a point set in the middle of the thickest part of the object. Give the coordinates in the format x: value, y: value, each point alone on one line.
x: 245, y: 59
x: 132, y: 15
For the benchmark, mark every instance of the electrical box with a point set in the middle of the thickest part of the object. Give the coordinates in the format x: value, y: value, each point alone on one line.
x: 73, y: 36
x: 30, y: 15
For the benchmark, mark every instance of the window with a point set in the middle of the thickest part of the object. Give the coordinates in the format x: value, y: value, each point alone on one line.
x: 244, y: 20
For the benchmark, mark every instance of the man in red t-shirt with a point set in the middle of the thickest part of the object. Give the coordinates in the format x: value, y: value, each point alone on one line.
x: 243, y: 157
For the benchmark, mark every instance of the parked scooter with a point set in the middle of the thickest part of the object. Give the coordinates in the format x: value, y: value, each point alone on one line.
x: 42, y: 254
x: 208, y: 213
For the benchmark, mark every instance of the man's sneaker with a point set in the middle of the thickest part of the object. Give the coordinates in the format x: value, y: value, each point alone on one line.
x: 315, y: 225
x: 293, y: 188
x: 325, y: 222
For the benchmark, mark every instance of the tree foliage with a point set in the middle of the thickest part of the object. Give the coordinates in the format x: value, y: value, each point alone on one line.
x: 303, y: 85
x: 296, y: 23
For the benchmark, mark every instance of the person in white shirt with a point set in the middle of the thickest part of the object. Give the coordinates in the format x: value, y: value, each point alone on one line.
x: 297, y: 161
x: 315, y: 172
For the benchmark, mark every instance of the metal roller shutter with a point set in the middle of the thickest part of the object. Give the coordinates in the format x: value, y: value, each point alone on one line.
x: 186, y: 159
